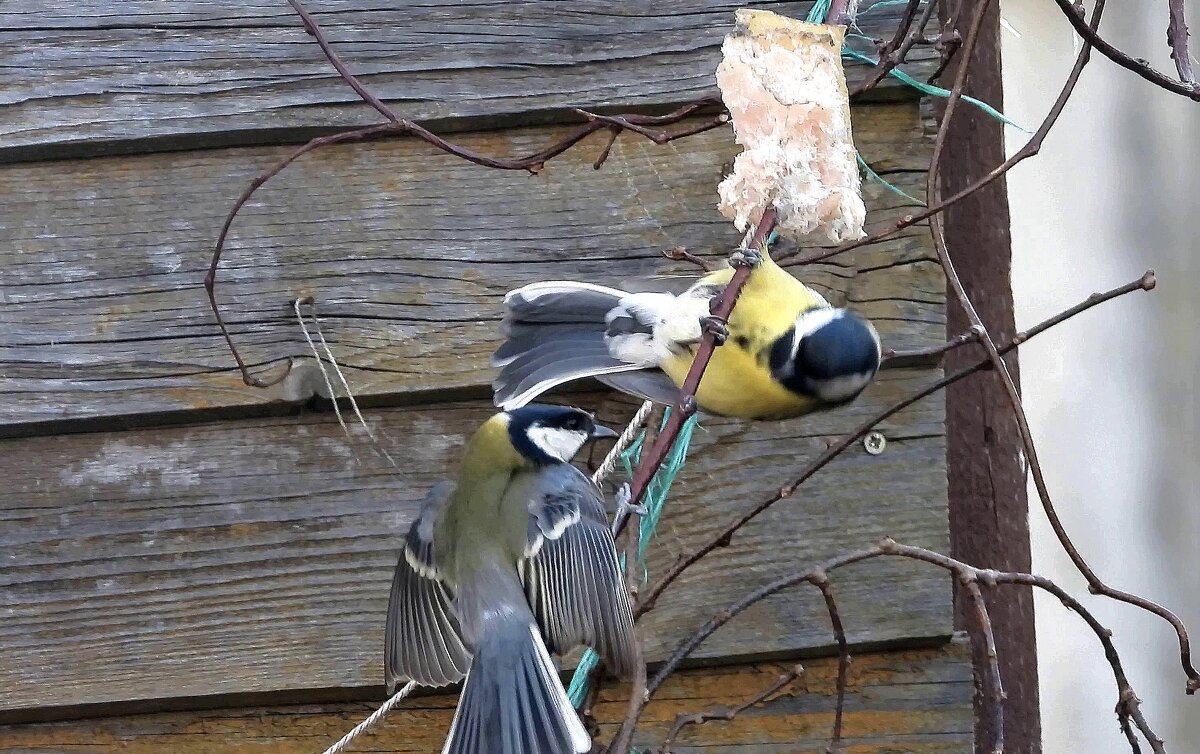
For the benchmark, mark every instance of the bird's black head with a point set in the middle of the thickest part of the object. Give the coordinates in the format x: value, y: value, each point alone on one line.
x: 829, y: 354
x: 552, y: 434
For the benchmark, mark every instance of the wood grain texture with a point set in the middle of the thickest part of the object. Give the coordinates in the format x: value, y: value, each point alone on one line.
x: 407, y: 252
x: 918, y: 702
x: 135, y: 76
x: 255, y: 556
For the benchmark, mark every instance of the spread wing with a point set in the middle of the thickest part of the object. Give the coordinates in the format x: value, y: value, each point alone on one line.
x: 572, y: 579
x: 423, y: 639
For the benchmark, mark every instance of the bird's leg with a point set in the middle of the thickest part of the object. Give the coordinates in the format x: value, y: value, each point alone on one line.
x: 744, y: 257
x: 624, y: 508
x: 716, y: 327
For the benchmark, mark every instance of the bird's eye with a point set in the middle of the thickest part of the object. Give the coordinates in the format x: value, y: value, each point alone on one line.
x: 571, y: 423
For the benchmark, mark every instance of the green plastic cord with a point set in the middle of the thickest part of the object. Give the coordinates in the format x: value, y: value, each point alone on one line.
x: 883, y: 182
x: 655, y: 499
x: 817, y: 15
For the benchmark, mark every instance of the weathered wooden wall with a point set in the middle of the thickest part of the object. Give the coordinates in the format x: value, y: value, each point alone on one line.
x: 172, y: 539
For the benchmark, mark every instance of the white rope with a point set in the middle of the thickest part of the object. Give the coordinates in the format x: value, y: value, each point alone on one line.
x: 370, y: 722
x: 623, y: 442
x: 320, y: 365
x: 342, y: 378
x: 610, y: 462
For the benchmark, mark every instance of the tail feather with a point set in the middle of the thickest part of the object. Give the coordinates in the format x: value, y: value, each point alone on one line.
x: 513, y: 701
x: 560, y: 331
x: 554, y: 333
x: 524, y: 379
x: 560, y: 301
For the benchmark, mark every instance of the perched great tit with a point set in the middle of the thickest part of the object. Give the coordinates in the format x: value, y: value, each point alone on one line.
x: 512, y: 561
x: 788, y: 352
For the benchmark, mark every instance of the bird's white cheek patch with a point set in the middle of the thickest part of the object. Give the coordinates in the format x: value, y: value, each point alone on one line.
x: 556, y: 442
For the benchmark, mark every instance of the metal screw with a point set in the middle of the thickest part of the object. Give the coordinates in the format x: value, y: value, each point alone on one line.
x: 874, y: 443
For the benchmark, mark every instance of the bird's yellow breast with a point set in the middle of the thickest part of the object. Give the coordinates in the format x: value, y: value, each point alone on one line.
x: 738, y: 380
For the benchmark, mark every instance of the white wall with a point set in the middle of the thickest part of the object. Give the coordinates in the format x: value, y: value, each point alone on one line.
x: 1112, y: 395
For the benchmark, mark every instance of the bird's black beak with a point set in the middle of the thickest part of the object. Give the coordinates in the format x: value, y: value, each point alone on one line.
x: 601, y: 432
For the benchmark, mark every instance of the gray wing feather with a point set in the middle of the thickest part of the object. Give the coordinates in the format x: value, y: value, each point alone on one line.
x: 423, y: 639
x: 572, y: 578
x: 647, y: 384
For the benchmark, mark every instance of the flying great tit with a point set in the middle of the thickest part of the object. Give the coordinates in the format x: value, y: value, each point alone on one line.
x: 788, y: 352
x: 512, y: 561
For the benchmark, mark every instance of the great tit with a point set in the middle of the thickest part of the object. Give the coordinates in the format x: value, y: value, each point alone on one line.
x: 788, y: 352
x: 512, y: 561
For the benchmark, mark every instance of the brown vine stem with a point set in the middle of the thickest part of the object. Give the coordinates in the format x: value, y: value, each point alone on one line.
x: 723, y: 537
x: 837, y: 13
x: 637, y: 689
x: 644, y: 125
x: 729, y: 713
x: 893, y: 359
x: 1128, y: 62
x: 1177, y: 38
x: 1095, y: 584
x: 995, y: 695
x: 1031, y: 148
x: 1128, y: 705
x: 894, y: 52
x: 653, y: 458
x: 821, y: 581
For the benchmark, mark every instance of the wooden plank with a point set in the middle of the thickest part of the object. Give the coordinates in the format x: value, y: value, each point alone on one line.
x: 917, y: 702
x: 255, y: 556
x: 129, y: 76
x: 408, y: 253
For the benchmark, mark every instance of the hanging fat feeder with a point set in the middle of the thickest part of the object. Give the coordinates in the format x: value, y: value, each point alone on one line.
x: 783, y: 83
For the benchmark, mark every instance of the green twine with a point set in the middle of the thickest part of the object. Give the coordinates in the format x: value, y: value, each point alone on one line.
x: 817, y: 14
x: 930, y: 89
x: 655, y: 499
x: 883, y: 4
x: 870, y: 171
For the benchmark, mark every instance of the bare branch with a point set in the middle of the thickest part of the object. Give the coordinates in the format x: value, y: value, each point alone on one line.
x: 995, y: 696
x: 398, y: 126
x: 1128, y: 707
x: 821, y: 581
x: 894, y: 52
x: 1095, y: 584
x: 1177, y: 38
x: 1140, y: 67
x: 729, y: 713
x: 1030, y: 149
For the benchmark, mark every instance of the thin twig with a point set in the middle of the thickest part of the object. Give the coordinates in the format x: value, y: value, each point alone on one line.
x: 314, y: 30
x: 681, y: 254
x: 624, y: 735
x: 1031, y: 148
x: 837, y: 15
x: 894, y: 52
x: 995, y: 696
x: 1128, y: 703
x: 1177, y: 38
x: 937, y: 230
x: 821, y: 581
x: 399, y: 126
x: 893, y: 359
x: 729, y: 713
x: 723, y: 537
x: 1137, y: 65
